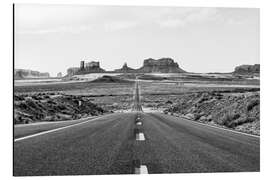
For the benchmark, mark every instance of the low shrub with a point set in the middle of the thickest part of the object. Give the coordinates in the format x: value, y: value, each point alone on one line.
x: 228, y: 119
x: 252, y: 104
x: 243, y: 121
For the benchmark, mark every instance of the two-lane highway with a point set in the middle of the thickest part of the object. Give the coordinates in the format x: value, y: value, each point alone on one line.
x: 121, y: 142
x: 108, y: 146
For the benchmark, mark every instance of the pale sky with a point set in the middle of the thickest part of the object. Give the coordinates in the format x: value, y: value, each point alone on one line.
x: 52, y: 38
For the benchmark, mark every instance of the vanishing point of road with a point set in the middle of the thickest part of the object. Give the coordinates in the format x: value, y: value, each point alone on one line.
x: 135, y: 142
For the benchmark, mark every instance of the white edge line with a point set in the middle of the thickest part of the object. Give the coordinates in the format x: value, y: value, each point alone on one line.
x: 190, y: 120
x: 53, y: 130
x: 54, y: 122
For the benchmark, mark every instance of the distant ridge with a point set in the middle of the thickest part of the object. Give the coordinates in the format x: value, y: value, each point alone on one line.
x: 247, y: 69
x: 26, y: 73
x: 150, y: 65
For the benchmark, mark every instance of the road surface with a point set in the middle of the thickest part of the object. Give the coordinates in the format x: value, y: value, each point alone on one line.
x: 137, y: 103
x: 109, y: 145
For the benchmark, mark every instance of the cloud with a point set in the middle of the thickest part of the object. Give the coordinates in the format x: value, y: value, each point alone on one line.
x: 59, y: 29
x: 119, y: 25
x: 36, y: 19
x: 107, y: 26
x: 185, y: 16
x: 172, y: 23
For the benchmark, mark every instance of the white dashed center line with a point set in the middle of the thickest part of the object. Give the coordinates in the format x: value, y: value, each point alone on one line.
x: 140, y: 137
x: 141, y: 170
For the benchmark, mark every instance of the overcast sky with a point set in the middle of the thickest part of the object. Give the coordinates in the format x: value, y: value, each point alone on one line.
x: 52, y: 38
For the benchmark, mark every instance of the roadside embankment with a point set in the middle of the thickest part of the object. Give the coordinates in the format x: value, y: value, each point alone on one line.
x: 238, y: 111
x: 36, y: 107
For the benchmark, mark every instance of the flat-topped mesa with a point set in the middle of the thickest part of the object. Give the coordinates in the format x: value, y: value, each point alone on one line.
x: 163, y: 65
x: 125, y: 69
x: 247, y: 69
x: 26, y: 73
x: 89, y: 67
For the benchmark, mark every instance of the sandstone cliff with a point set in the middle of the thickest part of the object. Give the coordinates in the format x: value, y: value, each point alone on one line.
x: 125, y: 69
x: 25, y: 73
x: 247, y: 69
x: 163, y: 65
x: 90, y: 67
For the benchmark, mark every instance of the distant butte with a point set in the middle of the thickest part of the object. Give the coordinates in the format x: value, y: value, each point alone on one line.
x: 162, y: 65
x: 125, y: 69
x: 247, y: 69
x: 26, y: 73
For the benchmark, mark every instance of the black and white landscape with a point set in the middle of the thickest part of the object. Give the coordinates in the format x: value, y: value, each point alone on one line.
x: 135, y: 90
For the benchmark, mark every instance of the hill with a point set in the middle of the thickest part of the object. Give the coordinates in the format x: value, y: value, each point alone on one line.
x: 110, y: 79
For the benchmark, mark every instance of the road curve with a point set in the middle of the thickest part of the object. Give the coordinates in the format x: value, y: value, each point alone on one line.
x: 108, y: 146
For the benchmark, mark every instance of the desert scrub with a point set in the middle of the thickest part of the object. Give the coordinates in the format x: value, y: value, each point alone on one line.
x: 228, y: 119
x: 64, y: 107
x: 252, y: 104
x: 243, y: 120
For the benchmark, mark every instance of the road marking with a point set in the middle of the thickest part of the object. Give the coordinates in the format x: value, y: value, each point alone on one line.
x: 139, y: 123
x: 54, y: 122
x: 141, y: 170
x: 140, y: 137
x: 53, y: 130
x: 190, y: 120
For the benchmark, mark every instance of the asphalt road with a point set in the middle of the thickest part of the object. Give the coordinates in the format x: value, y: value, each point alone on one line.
x: 137, y: 103
x: 22, y: 130
x: 108, y: 146
x: 113, y: 144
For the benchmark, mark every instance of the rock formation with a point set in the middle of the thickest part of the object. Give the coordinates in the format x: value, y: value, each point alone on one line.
x: 90, y: 67
x: 125, y: 69
x: 247, y: 69
x: 25, y: 73
x: 72, y: 71
x: 59, y: 74
x: 163, y: 65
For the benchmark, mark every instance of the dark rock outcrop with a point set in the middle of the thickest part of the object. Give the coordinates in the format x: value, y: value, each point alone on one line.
x: 90, y: 67
x: 163, y: 65
x: 125, y: 69
x: 25, y: 73
x: 247, y: 69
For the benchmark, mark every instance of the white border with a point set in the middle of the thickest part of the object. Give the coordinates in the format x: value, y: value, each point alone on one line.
x: 6, y: 83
